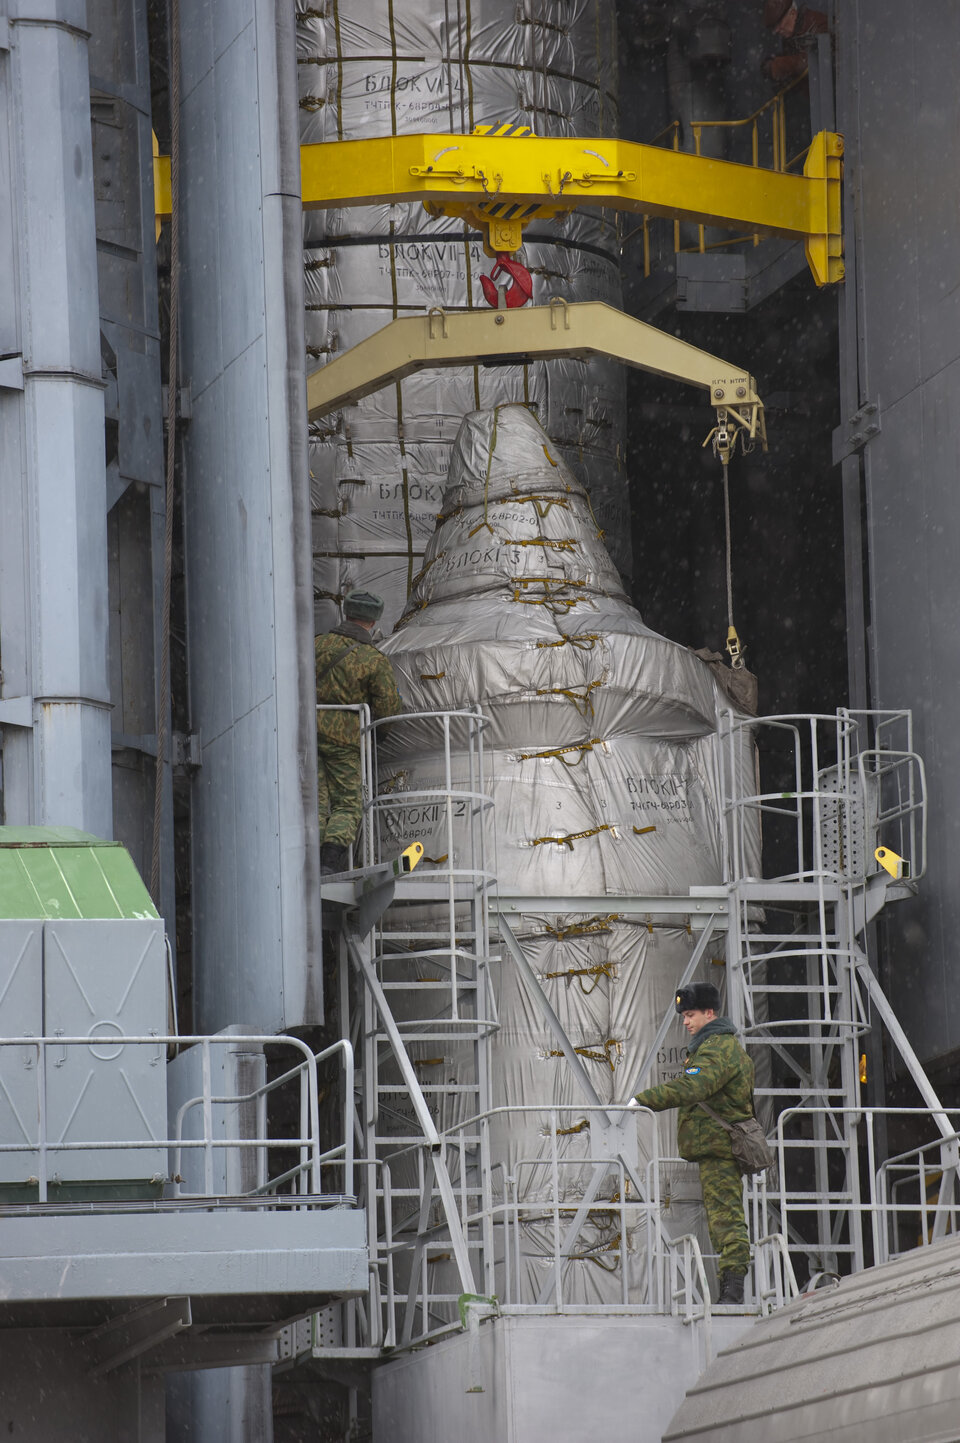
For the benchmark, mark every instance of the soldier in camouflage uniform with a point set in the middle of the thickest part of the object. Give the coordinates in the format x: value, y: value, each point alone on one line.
x: 719, y: 1072
x: 349, y: 670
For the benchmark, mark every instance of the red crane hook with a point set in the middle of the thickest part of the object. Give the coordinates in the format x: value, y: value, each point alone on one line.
x: 517, y: 293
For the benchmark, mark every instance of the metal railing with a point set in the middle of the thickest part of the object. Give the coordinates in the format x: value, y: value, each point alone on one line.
x: 766, y: 133
x: 891, y: 1197
x: 616, y: 1247
x: 825, y: 792
x: 58, y: 1137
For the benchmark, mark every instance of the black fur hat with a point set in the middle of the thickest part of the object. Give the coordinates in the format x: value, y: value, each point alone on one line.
x: 698, y: 997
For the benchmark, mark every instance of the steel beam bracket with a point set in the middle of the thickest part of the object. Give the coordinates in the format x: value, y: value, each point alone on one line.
x: 861, y: 428
x: 824, y: 247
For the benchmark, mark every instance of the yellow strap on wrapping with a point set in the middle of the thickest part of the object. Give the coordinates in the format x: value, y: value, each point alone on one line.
x: 581, y: 929
x: 572, y: 837
x: 602, y: 969
x: 520, y: 584
x: 642, y: 831
x: 581, y: 701
x: 542, y: 503
x: 585, y: 641
x: 561, y: 752
x: 424, y: 569
x: 603, y: 1052
x: 563, y: 545
x: 438, y: 676
x: 570, y: 1131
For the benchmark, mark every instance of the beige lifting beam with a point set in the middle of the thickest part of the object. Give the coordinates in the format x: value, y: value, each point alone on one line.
x: 536, y: 333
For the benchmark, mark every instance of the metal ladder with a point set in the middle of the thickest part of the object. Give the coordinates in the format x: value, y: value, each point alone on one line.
x: 414, y: 977
x: 799, y: 985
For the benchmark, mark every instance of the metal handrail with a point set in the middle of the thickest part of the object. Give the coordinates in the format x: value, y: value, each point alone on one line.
x: 308, y: 1170
x: 880, y: 1205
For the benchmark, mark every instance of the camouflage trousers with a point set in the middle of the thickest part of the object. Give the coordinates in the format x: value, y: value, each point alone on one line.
x: 723, y: 1200
x: 339, y: 793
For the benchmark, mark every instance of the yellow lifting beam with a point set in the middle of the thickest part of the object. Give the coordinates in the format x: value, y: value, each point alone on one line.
x: 501, y: 183
x: 581, y: 330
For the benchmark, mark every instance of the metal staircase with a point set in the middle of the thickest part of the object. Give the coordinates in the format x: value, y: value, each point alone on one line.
x: 827, y: 792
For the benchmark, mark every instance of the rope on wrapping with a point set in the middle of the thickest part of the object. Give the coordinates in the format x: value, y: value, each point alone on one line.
x: 571, y: 837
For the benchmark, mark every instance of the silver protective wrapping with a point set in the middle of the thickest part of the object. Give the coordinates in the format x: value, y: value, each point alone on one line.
x: 375, y: 68
x: 600, y: 756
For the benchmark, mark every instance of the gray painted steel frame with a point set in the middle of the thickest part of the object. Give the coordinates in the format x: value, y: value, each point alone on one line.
x: 900, y: 348
x: 53, y: 551
x: 247, y: 522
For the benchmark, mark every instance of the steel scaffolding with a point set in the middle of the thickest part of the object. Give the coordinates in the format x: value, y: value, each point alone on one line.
x: 446, y: 1218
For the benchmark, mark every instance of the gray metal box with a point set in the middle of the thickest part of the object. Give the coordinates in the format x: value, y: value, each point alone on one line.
x: 238, y: 1068
x: 21, y: 1013
x: 103, y: 980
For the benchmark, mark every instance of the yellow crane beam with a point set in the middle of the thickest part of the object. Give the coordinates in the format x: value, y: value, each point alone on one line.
x: 501, y: 183
x: 581, y: 330
x: 504, y: 182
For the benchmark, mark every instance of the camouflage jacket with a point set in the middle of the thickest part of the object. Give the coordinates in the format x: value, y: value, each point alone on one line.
x: 719, y: 1072
x: 364, y: 675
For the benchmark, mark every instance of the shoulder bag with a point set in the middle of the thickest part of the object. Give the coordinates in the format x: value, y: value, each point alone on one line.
x: 749, y: 1146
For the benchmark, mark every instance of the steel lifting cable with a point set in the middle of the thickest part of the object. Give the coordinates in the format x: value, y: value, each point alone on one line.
x: 163, y: 700
x: 733, y: 641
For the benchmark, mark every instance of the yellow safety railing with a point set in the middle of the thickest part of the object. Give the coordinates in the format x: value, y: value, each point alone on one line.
x: 776, y: 110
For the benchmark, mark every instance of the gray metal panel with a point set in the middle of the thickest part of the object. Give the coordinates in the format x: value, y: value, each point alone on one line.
x: 105, y: 979
x: 196, y: 57
x: 247, y: 533
x: 200, y: 233
x: 21, y: 1011
x: 899, y: 108
x: 543, y: 1378
x: 874, y: 1359
x: 196, y: 1254
x: 236, y: 1069
x: 222, y: 1405
x: 256, y: 900
x: 127, y: 269
x: 54, y: 459
x: 238, y: 128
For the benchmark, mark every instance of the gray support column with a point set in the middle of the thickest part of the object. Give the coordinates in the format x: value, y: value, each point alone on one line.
x: 53, y: 554
x: 247, y: 521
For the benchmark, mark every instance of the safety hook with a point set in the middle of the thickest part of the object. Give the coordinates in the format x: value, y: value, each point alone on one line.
x: 516, y: 293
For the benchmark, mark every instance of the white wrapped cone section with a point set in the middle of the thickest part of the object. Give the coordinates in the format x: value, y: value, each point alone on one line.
x: 600, y: 758
x: 375, y: 68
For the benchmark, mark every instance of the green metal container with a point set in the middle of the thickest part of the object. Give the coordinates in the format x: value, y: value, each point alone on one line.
x: 58, y: 872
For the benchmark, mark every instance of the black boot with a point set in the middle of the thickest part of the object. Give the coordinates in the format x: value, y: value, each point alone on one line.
x: 333, y: 858
x: 731, y: 1288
